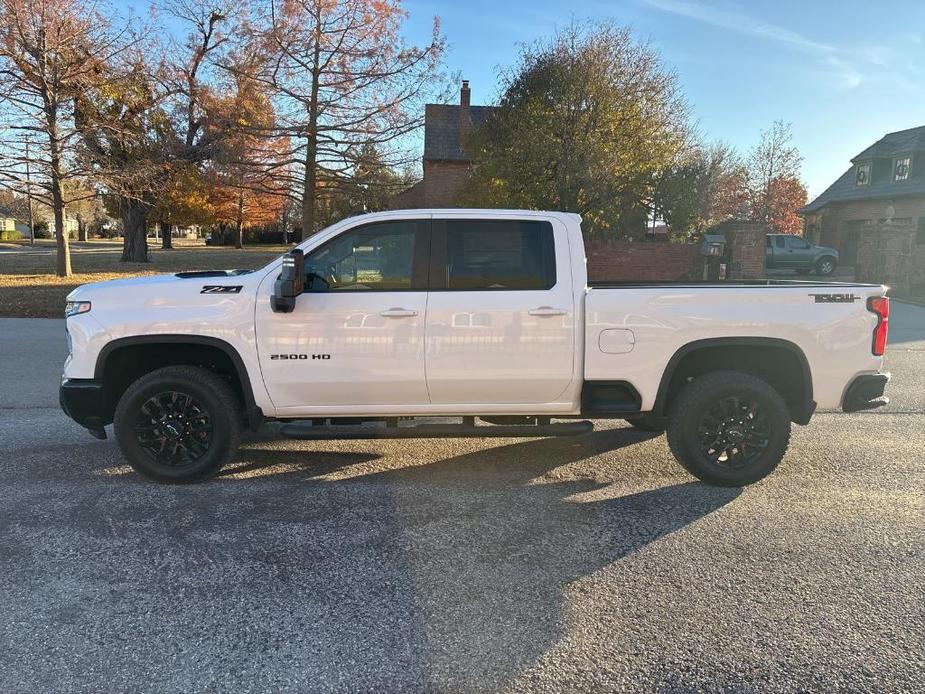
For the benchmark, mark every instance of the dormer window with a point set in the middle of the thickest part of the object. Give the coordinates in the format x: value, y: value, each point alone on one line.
x: 901, y: 168
x: 863, y: 176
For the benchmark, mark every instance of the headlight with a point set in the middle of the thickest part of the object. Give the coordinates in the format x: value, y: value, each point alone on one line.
x: 74, y: 308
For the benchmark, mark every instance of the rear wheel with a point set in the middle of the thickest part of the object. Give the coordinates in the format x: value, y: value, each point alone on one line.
x: 178, y: 424
x: 729, y: 429
x: 825, y: 266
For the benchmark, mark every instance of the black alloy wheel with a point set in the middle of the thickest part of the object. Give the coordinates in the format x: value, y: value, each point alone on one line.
x: 728, y: 428
x: 179, y: 424
x: 734, y: 432
x: 173, y: 428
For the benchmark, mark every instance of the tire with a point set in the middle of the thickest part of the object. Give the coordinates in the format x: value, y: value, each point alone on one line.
x: 646, y: 422
x: 826, y: 266
x: 191, y: 415
x: 753, y: 442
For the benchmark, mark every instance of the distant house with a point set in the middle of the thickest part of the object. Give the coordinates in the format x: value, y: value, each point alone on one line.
x: 884, y: 186
x: 9, y: 223
x: 446, y: 161
x: 70, y: 225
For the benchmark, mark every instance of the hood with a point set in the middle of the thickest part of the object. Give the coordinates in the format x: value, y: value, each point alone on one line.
x: 145, y: 287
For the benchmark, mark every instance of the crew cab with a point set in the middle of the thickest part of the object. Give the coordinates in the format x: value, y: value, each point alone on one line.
x: 789, y: 252
x: 484, y: 318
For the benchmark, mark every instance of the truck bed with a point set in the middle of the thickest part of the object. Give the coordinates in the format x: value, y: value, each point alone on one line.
x: 636, y: 328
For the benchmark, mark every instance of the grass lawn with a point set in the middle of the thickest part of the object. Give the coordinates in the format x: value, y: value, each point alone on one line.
x: 29, y: 287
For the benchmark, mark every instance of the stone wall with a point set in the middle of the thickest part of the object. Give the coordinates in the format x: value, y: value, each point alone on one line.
x: 891, y: 254
x: 749, y: 242
x: 630, y: 261
x: 831, y: 227
x: 745, y: 250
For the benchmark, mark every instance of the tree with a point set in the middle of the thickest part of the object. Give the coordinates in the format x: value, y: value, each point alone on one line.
x: 125, y: 133
x: 154, y: 118
x: 786, y: 196
x: 341, y: 76
x: 51, y: 52
x: 586, y: 121
x: 773, y: 174
x: 86, y: 207
x: 249, y: 173
x: 369, y: 188
x: 704, y: 188
x: 184, y: 201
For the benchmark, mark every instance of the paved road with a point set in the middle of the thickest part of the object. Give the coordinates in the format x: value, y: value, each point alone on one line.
x: 546, y: 566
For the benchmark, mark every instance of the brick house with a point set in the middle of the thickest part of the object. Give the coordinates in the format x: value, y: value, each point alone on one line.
x: 446, y: 163
x: 882, y: 194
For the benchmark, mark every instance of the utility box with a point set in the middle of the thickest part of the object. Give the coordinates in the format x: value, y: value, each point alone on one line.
x: 713, y: 245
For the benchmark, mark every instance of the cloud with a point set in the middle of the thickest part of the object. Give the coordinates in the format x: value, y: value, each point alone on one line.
x: 739, y: 22
x: 839, y: 66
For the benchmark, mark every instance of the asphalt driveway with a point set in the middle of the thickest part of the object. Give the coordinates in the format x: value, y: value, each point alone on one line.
x: 591, y: 564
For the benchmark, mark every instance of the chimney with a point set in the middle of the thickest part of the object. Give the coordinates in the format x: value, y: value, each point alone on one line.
x: 464, y: 120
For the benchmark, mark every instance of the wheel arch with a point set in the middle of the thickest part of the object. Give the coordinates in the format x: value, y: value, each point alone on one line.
x: 117, y: 364
x: 740, y: 354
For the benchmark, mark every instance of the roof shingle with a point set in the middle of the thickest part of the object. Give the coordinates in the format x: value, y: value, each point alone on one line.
x: 441, y: 130
x: 845, y: 188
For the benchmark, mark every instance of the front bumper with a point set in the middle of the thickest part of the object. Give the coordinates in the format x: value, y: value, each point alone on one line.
x: 866, y: 393
x: 84, y: 401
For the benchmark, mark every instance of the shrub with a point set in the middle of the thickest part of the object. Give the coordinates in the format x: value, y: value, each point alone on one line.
x: 10, y: 235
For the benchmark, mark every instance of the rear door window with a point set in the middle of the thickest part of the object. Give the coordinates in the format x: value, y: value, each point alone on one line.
x: 485, y: 255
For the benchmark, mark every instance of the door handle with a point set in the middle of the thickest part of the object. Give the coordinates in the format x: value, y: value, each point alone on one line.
x: 547, y: 311
x: 398, y: 313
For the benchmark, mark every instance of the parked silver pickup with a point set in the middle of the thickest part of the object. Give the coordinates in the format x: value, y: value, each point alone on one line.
x: 785, y: 251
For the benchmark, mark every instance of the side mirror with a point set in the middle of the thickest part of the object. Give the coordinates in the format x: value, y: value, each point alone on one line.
x: 290, y: 282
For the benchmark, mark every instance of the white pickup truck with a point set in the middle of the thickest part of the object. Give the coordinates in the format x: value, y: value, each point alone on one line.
x: 483, y: 317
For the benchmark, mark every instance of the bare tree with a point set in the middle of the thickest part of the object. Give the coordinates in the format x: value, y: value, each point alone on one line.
x: 773, y: 160
x: 51, y: 51
x: 341, y: 77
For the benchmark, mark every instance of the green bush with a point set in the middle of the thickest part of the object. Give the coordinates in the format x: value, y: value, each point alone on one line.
x: 11, y: 235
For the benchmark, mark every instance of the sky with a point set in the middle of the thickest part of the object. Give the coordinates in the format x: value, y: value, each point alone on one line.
x: 842, y: 73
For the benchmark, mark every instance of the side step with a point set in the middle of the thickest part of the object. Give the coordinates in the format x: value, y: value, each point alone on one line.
x: 299, y: 430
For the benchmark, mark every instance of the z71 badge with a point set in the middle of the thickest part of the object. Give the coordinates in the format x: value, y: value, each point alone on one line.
x: 835, y: 298
x: 221, y: 289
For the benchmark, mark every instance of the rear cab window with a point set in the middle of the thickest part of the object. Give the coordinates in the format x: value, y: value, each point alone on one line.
x: 493, y: 255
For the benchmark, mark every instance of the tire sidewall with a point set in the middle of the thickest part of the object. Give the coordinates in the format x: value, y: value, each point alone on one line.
x: 223, y: 425
x: 696, y: 461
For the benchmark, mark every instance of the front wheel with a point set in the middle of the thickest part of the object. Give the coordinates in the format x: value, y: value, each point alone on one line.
x: 729, y: 429
x: 178, y: 424
x: 825, y: 266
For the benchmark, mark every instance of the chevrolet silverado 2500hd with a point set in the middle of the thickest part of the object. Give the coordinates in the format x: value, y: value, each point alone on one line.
x: 483, y: 317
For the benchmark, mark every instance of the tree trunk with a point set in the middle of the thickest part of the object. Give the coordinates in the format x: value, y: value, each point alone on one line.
x: 81, y: 229
x: 134, y: 222
x: 166, y: 235
x: 239, y: 222
x: 63, y: 264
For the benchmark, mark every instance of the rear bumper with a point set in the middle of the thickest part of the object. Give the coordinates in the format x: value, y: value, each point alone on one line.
x: 84, y: 401
x: 866, y: 393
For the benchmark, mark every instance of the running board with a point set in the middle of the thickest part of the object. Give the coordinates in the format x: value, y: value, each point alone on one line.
x: 432, y: 431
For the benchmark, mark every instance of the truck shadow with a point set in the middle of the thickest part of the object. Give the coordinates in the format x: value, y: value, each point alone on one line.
x: 444, y: 575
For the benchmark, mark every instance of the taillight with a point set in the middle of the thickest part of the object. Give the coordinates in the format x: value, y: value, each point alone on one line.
x: 881, y: 306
